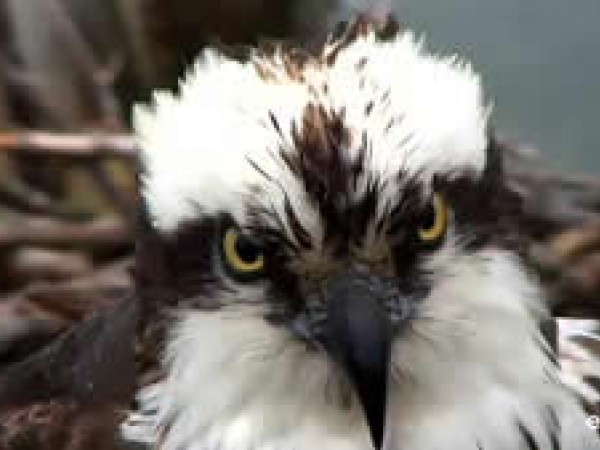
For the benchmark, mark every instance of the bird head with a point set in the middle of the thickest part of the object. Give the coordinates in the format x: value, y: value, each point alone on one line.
x: 326, y: 229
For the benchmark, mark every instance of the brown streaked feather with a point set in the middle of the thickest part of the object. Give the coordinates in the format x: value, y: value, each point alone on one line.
x: 321, y: 146
x: 92, y: 363
x: 60, y: 426
x: 346, y: 33
x: 69, y: 394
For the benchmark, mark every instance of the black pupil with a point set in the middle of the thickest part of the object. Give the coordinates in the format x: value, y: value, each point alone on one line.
x: 428, y: 220
x: 246, y: 250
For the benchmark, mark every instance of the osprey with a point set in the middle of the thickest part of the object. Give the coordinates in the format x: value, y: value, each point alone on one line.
x: 327, y: 260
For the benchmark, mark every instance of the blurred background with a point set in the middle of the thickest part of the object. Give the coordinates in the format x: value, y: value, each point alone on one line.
x: 70, y: 71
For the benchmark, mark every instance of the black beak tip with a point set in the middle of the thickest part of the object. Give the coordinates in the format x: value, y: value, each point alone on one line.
x: 377, y: 438
x: 374, y: 409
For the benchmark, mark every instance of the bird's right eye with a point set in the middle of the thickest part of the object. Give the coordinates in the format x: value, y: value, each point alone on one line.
x: 243, y: 257
x: 435, y: 221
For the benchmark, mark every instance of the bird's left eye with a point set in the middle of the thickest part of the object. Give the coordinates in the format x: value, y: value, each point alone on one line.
x: 435, y: 221
x: 243, y: 257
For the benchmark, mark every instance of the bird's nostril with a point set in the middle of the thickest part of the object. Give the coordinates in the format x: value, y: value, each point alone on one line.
x: 399, y: 310
x: 311, y: 322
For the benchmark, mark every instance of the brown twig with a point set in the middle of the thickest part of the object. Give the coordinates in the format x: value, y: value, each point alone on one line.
x: 5, y: 114
x: 23, y: 198
x: 29, y: 88
x: 104, y: 180
x: 100, y: 78
x: 134, y: 27
x: 557, y: 179
x: 99, y: 233
x: 73, y: 299
x: 74, y: 145
x: 26, y: 264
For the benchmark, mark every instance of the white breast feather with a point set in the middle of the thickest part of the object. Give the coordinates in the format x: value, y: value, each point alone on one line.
x: 238, y: 383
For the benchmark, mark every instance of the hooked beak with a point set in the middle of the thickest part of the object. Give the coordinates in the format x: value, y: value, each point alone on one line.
x: 358, y: 335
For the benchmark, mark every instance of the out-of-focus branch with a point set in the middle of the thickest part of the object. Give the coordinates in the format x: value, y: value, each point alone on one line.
x: 74, y: 145
x: 137, y: 35
x: 26, y: 264
x: 18, y: 196
x: 4, y: 109
x: 73, y: 299
x: 104, y: 180
x: 100, y: 78
x: 30, y: 88
x: 42, y: 232
x: 559, y: 179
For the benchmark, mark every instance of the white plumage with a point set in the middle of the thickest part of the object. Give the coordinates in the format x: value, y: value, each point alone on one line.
x: 473, y: 374
x: 202, y: 137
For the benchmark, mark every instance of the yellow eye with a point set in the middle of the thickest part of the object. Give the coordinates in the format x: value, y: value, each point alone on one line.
x: 241, y: 255
x: 435, y: 222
